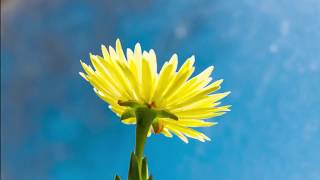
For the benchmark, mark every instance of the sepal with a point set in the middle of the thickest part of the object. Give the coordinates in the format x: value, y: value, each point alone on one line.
x: 166, y: 114
x: 117, y: 177
x: 150, y: 177
x: 134, y: 172
x: 132, y: 104
x: 144, y: 169
x: 127, y: 114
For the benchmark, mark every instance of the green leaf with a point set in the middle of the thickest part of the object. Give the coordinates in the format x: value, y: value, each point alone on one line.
x: 134, y: 173
x: 117, y: 178
x: 144, y: 169
x: 150, y: 177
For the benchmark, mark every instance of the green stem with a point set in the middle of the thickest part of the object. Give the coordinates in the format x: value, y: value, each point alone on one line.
x: 145, y: 118
x: 141, y: 136
x: 138, y: 169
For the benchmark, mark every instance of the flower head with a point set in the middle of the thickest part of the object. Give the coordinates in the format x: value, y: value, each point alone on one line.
x: 180, y: 101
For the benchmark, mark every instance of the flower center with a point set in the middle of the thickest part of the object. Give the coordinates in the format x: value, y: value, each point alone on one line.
x: 151, y: 105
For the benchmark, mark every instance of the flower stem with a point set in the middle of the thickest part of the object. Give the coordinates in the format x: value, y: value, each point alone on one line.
x: 141, y: 136
x: 145, y: 117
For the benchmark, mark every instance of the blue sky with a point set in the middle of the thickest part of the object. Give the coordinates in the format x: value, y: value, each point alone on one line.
x: 54, y: 127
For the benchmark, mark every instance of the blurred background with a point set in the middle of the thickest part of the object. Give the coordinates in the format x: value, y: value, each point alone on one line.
x: 53, y: 126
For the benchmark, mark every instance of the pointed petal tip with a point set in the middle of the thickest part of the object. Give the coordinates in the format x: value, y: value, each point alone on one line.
x: 174, y: 56
x: 192, y: 60
x: 91, y: 55
x: 212, y: 123
x: 83, y: 64
x: 151, y: 51
x: 204, y: 137
x: 228, y: 108
x: 118, y: 46
x: 184, y: 139
x: 82, y: 74
x: 138, y: 45
x: 174, y: 59
x: 103, y: 47
x: 145, y: 53
x: 227, y: 93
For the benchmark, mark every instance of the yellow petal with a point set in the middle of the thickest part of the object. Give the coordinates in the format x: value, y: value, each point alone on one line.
x: 130, y: 121
x: 166, y: 132
x: 189, y: 132
x: 105, y: 53
x: 190, y: 122
x: 199, y: 95
x: 166, y: 76
x: 147, y: 80
x: 180, y: 78
x: 192, y: 86
x: 178, y: 133
x: 119, y: 51
x: 83, y: 76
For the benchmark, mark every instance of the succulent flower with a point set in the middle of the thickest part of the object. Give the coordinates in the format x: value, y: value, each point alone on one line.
x: 130, y: 81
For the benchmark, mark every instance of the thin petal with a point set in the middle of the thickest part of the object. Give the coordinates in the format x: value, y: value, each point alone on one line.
x: 178, y: 133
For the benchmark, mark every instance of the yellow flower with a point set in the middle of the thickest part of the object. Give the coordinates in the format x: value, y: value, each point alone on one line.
x: 119, y: 77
